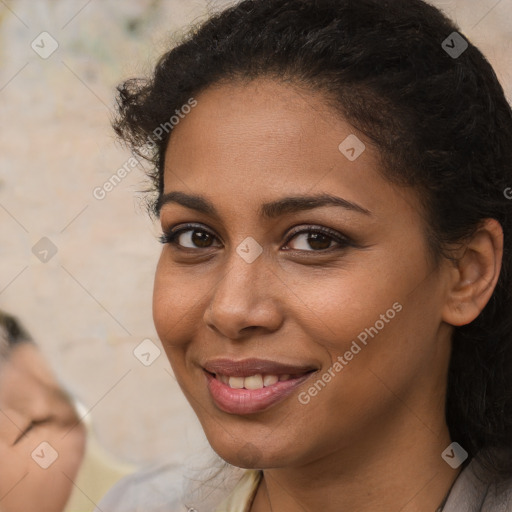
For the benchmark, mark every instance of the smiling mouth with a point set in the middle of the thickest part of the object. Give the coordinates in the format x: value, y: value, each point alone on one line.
x: 250, y: 394
x: 256, y: 381
x: 252, y: 385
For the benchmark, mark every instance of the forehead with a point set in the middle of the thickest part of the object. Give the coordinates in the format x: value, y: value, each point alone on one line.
x: 249, y: 142
x: 262, y: 129
x: 263, y: 111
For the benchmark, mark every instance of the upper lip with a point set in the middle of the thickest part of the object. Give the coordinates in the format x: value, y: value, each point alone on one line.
x: 253, y: 366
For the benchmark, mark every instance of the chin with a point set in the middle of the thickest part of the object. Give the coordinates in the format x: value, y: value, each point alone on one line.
x: 251, y: 455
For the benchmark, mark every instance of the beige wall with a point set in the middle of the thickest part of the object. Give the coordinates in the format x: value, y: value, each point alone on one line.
x: 89, y: 306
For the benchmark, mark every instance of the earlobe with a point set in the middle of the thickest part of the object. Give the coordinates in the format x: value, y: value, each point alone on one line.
x: 474, y: 275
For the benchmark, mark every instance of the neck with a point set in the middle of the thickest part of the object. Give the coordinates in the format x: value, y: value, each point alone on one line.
x: 398, y: 467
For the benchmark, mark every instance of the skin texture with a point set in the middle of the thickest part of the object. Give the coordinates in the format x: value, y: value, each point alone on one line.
x: 29, y: 393
x: 372, y: 439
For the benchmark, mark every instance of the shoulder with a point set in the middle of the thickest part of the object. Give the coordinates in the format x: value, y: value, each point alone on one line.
x: 169, y: 488
x: 475, y: 490
x: 498, y: 497
x: 154, y: 489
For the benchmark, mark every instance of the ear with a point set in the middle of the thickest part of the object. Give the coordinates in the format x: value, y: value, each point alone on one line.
x: 474, y: 275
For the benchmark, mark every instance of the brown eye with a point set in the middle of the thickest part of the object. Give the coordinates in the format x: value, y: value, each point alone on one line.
x: 316, y: 240
x: 199, y: 238
x: 196, y: 238
x: 189, y: 238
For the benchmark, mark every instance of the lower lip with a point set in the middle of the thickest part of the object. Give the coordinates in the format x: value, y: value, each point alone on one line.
x: 248, y: 401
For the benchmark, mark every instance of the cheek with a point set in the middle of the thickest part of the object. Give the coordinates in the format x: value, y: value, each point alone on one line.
x: 15, y: 463
x: 337, y: 308
x: 378, y: 349
x: 379, y: 318
x: 48, y: 486
x: 177, y: 299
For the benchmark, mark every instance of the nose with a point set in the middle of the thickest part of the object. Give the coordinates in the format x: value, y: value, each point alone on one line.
x: 245, y: 300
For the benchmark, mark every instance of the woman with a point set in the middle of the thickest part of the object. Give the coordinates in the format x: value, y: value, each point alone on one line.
x: 333, y: 293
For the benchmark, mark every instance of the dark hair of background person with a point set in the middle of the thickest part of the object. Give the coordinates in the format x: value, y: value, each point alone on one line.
x: 442, y: 125
x: 12, y: 333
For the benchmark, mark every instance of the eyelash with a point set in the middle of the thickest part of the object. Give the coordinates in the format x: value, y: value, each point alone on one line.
x: 170, y: 237
x: 32, y: 425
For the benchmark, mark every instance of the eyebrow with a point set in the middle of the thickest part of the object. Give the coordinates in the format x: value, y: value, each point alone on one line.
x: 271, y: 210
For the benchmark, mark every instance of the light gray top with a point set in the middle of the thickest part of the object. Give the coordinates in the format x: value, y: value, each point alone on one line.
x: 175, y: 488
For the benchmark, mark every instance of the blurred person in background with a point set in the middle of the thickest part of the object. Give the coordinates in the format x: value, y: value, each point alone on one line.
x: 42, y: 440
x: 50, y: 459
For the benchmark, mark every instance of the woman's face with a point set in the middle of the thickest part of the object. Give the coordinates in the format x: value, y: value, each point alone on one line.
x: 352, y: 315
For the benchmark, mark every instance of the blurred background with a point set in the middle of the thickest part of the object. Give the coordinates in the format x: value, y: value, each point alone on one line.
x: 77, y: 254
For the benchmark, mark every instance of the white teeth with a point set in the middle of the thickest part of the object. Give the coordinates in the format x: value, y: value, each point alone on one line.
x: 257, y: 381
x: 268, y: 380
x: 236, y: 382
x: 253, y: 382
x: 284, y: 377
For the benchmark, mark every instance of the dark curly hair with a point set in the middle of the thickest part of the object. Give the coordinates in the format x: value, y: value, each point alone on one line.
x: 440, y: 121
